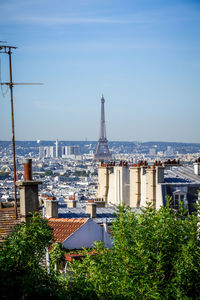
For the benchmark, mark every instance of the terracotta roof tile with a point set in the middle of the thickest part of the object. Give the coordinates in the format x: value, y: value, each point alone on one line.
x: 7, y: 221
x: 63, y: 228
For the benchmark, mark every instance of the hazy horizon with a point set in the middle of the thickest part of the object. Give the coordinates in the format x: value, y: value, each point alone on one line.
x: 95, y: 141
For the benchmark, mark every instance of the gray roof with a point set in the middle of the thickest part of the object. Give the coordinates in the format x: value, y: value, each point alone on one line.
x: 181, y: 175
x: 103, y: 214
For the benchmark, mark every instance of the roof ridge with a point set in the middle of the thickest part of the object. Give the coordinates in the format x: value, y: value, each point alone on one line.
x: 68, y: 219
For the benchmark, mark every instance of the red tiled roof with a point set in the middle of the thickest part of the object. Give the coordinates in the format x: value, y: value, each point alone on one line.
x: 76, y: 256
x: 63, y: 227
x: 8, y: 221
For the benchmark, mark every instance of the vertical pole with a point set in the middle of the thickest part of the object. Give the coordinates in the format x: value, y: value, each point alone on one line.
x: 13, y: 131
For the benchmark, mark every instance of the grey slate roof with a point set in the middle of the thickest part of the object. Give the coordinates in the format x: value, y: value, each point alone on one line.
x: 181, y: 175
x: 104, y: 214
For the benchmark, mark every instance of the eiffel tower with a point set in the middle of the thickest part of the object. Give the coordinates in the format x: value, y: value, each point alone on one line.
x: 102, y: 152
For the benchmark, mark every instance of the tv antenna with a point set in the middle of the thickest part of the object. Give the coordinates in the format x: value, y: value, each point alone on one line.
x: 8, y: 50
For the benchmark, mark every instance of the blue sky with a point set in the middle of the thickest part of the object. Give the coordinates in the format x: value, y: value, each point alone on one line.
x: 143, y: 55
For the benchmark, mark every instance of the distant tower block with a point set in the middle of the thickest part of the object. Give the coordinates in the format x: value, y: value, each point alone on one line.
x: 56, y: 148
x: 102, y: 152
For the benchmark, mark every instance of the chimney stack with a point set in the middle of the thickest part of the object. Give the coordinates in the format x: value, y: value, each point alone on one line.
x: 71, y: 203
x: 160, y: 174
x: 135, y: 186
x: 28, y: 192
x: 151, y: 186
x: 100, y: 202
x: 91, y: 209
x: 51, y: 209
x: 197, y: 167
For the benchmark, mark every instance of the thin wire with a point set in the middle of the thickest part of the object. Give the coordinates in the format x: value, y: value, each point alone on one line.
x: 2, y: 91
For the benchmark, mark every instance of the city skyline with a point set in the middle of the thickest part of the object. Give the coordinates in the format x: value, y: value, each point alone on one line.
x: 144, y: 56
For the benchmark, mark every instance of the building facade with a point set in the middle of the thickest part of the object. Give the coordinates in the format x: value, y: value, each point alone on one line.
x: 71, y: 150
x: 47, y: 151
x: 141, y: 183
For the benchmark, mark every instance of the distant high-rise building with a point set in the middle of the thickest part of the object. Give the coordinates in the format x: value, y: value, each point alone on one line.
x: 169, y: 152
x: 56, y: 148
x: 71, y: 150
x: 46, y: 152
x: 76, y: 150
x: 102, y: 152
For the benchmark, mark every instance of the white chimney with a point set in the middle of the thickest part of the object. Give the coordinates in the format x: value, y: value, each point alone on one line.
x: 71, y: 203
x: 197, y: 167
x: 91, y: 209
x: 51, y: 209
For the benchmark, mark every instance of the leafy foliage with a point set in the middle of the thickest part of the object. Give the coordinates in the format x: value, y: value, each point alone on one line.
x: 156, y: 255
x: 57, y: 256
x: 82, y: 173
x: 21, y: 273
x: 48, y: 173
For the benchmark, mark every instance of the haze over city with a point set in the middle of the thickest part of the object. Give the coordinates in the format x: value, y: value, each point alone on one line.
x: 143, y: 56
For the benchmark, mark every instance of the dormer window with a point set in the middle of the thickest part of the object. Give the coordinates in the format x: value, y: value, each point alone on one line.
x: 179, y: 197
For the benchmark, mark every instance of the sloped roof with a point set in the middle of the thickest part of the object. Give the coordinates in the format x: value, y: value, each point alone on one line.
x: 103, y: 215
x: 8, y: 221
x: 182, y: 175
x: 64, y: 227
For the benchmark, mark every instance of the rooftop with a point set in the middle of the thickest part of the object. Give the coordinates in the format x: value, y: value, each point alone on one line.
x: 7, y: 221
x: 181, y: 175
x: 103, y: 214
x: 63, y: 228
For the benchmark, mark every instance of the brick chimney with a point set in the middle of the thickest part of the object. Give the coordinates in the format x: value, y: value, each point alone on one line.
x: 28, y: 192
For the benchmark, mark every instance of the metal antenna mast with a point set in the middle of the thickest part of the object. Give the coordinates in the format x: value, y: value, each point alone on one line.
x: 8, y: 50
x: 102, y: 152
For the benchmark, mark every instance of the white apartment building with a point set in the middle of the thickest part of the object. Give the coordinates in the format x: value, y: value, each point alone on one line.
x: 141, y: 183
x: 70, y: 150
x: 47, y: 151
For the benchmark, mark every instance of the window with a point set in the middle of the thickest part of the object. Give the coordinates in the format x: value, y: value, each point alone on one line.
x: 176, y: 201
x: 179, y: 197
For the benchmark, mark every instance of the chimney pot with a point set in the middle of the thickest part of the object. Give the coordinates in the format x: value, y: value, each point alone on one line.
x: 28, y: 169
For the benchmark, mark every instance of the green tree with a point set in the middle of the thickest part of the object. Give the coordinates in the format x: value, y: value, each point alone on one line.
x: 82, y: 173
x: 22, y: 275
x: 48, y: 173
x: 57, y: 256
x: 155, y: 255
